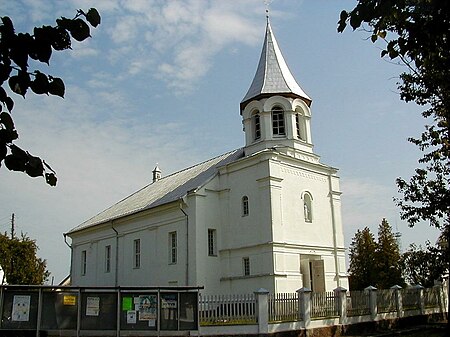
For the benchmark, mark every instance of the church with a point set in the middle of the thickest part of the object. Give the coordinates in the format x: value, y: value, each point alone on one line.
x: 267, y: 215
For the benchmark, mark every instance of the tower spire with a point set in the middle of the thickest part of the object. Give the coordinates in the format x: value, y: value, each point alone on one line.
x: 273, y: 76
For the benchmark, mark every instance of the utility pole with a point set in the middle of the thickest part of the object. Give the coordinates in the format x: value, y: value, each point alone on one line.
x: 12, y: 226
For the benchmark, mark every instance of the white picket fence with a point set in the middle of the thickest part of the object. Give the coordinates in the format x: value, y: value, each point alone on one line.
x: 290, y: 307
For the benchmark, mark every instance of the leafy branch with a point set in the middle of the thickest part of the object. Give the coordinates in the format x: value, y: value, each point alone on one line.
x: 16, y: 49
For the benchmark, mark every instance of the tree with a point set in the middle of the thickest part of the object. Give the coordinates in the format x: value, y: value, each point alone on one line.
x: 418, y: 38
x: 16, y: 50
x: 19, y: 261
x: 424, y: 266
x: 387, y: 258
x: 375, y: 263
x: 362, y: 255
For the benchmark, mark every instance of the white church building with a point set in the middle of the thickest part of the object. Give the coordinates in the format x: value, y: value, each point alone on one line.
x: 267, y: 215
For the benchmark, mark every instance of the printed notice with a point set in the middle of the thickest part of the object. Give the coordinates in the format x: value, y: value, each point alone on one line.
x: 69, y: 300
x: 131, y: 317
x: 92, y: 306
x: 21, y: 308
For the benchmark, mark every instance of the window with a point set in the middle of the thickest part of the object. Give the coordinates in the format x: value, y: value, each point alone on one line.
x: 137, y: 253
x: 244, y: 205
x: 297, y: 126
x: 300, y: 126
x: 246, y: 265
x: 278, y: 122
x: 83, y: 262
x: 257, y: 125
x: 212, y: 242
x: 107, y: 259
x: 173, y: 247
x: 307, y: 207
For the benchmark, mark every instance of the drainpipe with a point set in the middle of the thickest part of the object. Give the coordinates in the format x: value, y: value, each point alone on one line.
x: 71, y: 256
x: 116, y: 276
x: 187, y: 244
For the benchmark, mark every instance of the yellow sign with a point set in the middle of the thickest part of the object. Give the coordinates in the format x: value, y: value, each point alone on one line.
x: 69, y: 300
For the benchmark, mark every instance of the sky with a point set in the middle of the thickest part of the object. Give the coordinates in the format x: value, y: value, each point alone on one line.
x: 160, y: 82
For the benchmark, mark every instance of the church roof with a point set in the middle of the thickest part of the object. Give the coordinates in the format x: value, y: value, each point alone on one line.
x: 273, y: 75
x: 163, y: 191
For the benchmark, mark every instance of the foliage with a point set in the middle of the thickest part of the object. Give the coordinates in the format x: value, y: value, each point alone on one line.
x: 19, y: 261
x: 387, y: 258
x: 418, y: 38
x: 424, y: 266
x: 16, y: 50
x: 362, y: 254
x: 375, y: 263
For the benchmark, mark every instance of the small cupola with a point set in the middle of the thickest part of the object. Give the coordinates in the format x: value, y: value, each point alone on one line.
x: 275, y: 110
x: 156, y: 173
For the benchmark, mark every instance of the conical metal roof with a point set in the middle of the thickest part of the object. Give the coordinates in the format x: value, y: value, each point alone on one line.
x: 273, y: 75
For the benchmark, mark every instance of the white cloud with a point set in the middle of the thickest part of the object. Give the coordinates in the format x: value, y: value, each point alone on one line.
x: 178, y: 38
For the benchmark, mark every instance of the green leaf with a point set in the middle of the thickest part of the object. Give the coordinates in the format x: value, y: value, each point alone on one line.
x: 60, y: 39
x: 8, y: 27
x: 7, y: 121
x: 93, y: 17
x: 40, y: 83
x: 20, y: 83
x: 41, y: 49
x: 355, y: 20
x: 17, y: 160
x: 9, y: 103
x: 20, y: 46
x: 4, y: 72
x: 3, y: 152
x: 79, y: 30
x: 56, y: 87
x: 34, y: 167
x: 8, y: 136
x: 51, y: 179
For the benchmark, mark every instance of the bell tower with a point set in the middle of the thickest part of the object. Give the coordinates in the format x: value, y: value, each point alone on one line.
x: 275, y: 111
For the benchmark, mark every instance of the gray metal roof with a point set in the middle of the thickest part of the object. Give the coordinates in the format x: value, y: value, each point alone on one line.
x: 273, y: 75
x: 164, y: 190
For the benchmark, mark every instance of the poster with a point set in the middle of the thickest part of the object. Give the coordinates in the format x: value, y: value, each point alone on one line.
x: 92, y: 306
x: 21, y: 308
x: 169, y: 302
x: 147, y: 307
x: 131, y: 317
x: 69, y: 300
x: 127, y: 303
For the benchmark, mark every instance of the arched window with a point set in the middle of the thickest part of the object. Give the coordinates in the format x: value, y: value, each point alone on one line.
x: 256, y: 126
x: 245, y: 205
x: 300, y: 126
x: 307, y: 207
x: 278, y: 128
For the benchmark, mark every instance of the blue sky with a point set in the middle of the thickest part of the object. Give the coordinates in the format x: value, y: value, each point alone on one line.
x: 161, y: 82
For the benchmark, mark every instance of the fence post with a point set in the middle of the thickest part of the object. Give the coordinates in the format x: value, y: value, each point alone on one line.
x: 421, y: 298
x: 304, y: 305
x: 341, y: 294
x: 440, y: 296
x: 262, y: 310
x: 372, y: 301
x: 398, y: 299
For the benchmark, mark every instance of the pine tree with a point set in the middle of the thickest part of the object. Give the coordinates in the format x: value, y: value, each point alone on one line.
x: 375, y: 263
x: 362, y: 255
x: 388, y: 258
